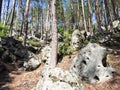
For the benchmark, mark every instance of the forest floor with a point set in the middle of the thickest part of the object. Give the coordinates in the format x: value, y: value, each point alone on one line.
x: 23, y: 80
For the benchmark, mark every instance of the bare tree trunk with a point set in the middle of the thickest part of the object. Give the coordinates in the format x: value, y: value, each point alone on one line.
x: 12, y: 14
x: 41, y: 20
x: 22, y: 24
x: 85, y: 26
x: 54, y: 42
x: 48, y: 13
x: 63, y: 16
x: 78, y: 14
x: 72, y: 15
x: 113, y: 6
x: 90, y: 17
x: 97, y: 12
x: 105, y: 16
x: 17, y: 18
x: 26, y: 21
x: 6, y: 17
x: 107, y: 12
x: 0, y: 8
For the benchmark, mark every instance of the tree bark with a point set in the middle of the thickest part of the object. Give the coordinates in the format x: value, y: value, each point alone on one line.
x: 90, y: 17
x: 0, y: 8
x: 6, y: 17
x: 17, y: 18
x: 97, y: 12
x: 54, y: 42
x: 72, y: 15
x: 107, y: 12
x: 26, y: 21
x: 41, y: 20
x: 12, y: 14
x: 22, y: 24
x: 85, y: 26
x: 113, y: 6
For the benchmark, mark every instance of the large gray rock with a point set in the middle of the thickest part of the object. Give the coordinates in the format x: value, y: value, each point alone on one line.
x: 76, y: 39
x: 46, y: 54
x: 58, y: 79
x: 32, y: 63
x: 12, y: 50
x: 90, y: 64
x: 116, y: 24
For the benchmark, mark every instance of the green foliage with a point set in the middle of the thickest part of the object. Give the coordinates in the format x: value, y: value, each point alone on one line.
x: 65, y: 48
x: 34, y: 43
x: 3, y: 29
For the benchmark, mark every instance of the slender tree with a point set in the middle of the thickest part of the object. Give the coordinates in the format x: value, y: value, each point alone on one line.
x: 41, y: 20
x: 54, y: 42
x: 47, y: 14
x: 107, y: 11
x: 83, y: 11
x: 114, y: 12
x: 22, y: 12
x: 6, y: 17
x: 97, y: 12
x: 12, y: 14
x: 72, y: 15
x: 0, y: 8
x: 26, y: 21
x: 90, y: 17
x: 17, y: 17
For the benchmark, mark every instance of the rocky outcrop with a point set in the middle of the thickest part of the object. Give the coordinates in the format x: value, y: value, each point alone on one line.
x: 12, y: 50
x: 46, y: 54
x: 90, y: 64
x: 116, y: 24
x: 58, y: 79
x: 32, y: 62
x: 76, y: 39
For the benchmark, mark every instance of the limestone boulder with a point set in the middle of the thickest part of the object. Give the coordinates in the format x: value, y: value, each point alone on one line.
x: 90, y: 64
x: 46, y: 54
x: 116, y: 24
x: 12, y: 50
x: 57, y: 79
x: 32, y: 63
x: 76, y: 39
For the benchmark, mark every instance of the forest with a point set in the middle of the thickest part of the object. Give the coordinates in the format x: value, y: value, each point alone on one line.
x: 59, y: 44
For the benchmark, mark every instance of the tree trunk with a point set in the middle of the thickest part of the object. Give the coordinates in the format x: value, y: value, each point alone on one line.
x: 105, y: 16
x: 90, y: 17
x: 54, y: 42
x: 12, y: 14
x: 107, y: 12
x: 17, y: 18
x: 6, y: 17
x: 22, y: 24
x: 85, y: 26
x: 48, y: 13
x: 41, y: 20
x: 72, y: 15
x: 62, y: 17
x: 0, y: 8
x: 97, y: 12
x: 79, y: 14
x: 113, y: 6
x: 26, y: 21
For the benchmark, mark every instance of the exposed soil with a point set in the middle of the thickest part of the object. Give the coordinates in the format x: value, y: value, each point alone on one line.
x: 22, y: 80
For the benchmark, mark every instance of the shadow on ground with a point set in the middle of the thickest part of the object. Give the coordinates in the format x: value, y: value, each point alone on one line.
x: 5, y: 77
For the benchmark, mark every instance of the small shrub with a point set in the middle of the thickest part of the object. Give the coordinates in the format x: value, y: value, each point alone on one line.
x: 3, y: 29
x: 65, y: 48
x: 34, y: 43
